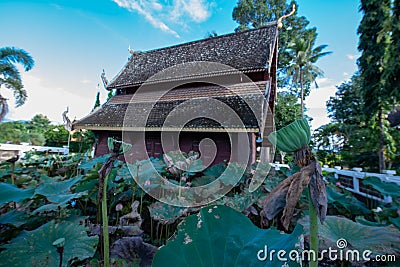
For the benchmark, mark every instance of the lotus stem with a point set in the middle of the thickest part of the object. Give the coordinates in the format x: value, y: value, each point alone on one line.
x: 313, y: 231
x: 12, y: 172
x: 106, y: 242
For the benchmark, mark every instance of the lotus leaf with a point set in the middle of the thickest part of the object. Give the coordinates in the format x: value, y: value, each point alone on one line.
x: 11, y: 193
x: 345, y: 201
x: 164, y: 213
x: 14, y: 217
x: 221, y: 236
x: 34, y: 248
x: 385, y: 188
x: 378, y: 239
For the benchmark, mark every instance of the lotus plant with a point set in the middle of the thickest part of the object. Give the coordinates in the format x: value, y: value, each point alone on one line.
x: 295, y: 138
x: 117, y: 148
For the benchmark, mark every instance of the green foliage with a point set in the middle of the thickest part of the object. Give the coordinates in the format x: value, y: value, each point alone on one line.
x: 301, y: 70
x: 34, y: 248
x: 287, y: 109
x: 82, y: 141
x: 166, y: 214
x: 17, y: 132
x: 58, y: 193
x: 352, y: 139
x: 385, y: 188
x: 345, y: 203
x: 39, y: 123
x: 56, y: 136
x: 254, y: 14
x: 221, y: 236
x: 10, y: 76
x: 11, y: 192
x: 379, y: 240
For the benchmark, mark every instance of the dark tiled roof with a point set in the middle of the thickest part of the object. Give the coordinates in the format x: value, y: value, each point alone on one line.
x: 138, y: 110
x: 245, y: 51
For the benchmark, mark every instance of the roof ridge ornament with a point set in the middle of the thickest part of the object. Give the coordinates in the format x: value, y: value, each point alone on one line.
x: 280, y: 24
x: 131, y: 50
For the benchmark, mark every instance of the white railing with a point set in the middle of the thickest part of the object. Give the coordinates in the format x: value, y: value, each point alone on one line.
x: 356, y: 175
x: 9, y: 150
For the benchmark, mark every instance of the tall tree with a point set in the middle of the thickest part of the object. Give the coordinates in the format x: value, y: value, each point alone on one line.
x: 251, y: 14
x: 373, y: 45
x: 10, y: 76
x: 39, y: 123
x: 302, y: 68
x: 287, y: 109
x: 391, y: 71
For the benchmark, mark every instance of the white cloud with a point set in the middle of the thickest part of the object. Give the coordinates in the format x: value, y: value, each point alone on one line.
x: 177, y: 12
x: 316, y: 102
x: 86, y: 81
x: 351, y: 57
x: 144, y: 8
x: 197, y: 10
x: 50, y: 101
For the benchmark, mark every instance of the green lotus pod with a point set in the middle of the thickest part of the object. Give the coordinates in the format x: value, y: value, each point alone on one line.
x: 125, y: 147
x: 110, y: 143
x: 292, y: 137
x: 59, y: 243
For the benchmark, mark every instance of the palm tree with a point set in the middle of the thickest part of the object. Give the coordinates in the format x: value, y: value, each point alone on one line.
x: 302, y: 70
x: 10, y: 76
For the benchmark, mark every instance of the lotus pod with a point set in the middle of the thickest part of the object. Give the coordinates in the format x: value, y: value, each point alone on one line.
x: 124, y: 147
x: 292, y: 137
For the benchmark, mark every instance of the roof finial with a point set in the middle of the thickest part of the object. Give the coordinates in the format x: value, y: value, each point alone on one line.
x: 104, y: 79
x: 280, y: 25
x: 130, y: 50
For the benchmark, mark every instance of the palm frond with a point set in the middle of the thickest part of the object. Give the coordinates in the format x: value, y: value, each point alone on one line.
x: 16, y: 55
x: 19, y: 92
x: 8, y: 70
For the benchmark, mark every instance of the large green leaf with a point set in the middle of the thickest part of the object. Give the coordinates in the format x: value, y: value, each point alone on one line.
x: 166, y: 214
x: 90, y: 164
x: 345, y: 201
x: 221, y: 236
x: 379, y: 240
x: 10, y: 192
x: 14, y: 217
x: 53, y: 189
x: 385, y: 188
x: 57, y: 193
x: 34, y: 248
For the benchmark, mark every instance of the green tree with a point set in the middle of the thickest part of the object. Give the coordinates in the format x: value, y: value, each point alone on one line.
x: 251, y: 14
x: 391, y: 72
x: 10, y: 76
x: 373, y: 46
x: 302, y: 69
x: 287, y: 109
x: 97, y: 103
x: 39, y: 123
x: 11, y: 132
x: 351, y: 139
x: 82, y: 141
x: 56, y: 136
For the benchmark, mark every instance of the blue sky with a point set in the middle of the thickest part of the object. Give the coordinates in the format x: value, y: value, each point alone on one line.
x: 73, y: 40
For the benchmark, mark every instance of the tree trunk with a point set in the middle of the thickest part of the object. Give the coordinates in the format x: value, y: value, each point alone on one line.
x: 381, y: 148
x: 302, y: 93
